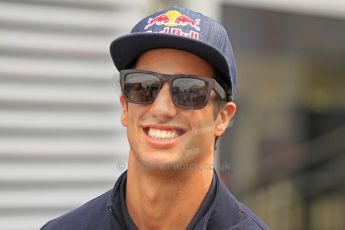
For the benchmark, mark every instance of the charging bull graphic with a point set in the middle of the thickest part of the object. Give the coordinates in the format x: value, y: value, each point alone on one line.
x: 173, y: 18
x: 184, y: 21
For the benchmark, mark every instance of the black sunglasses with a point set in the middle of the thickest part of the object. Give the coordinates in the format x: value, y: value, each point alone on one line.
x: 187, y: 91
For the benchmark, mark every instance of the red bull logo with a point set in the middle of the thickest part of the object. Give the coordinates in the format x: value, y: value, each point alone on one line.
x: 159, y: 20
x: 184, y: 21
x: 174, y: 18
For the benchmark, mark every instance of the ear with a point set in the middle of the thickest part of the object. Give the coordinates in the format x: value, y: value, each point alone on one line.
x: 224, y: 117
x: 124, y: 114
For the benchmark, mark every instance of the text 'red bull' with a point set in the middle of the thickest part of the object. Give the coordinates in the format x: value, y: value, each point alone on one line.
x: 176, y: 31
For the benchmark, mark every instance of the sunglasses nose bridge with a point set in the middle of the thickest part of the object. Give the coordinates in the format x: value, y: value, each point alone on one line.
x: 164, y: 92
x: 163, y: 104
x: 166, y: 81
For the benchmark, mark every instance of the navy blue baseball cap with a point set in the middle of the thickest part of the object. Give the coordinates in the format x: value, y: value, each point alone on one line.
x: 183, y: 29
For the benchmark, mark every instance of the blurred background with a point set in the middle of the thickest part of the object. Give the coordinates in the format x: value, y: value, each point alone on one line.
x: 61, y: 142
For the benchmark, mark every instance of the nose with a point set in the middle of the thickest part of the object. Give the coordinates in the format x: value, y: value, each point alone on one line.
x: 163, y: 107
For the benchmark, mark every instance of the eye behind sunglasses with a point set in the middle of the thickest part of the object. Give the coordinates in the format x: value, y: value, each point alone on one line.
x: 187, y: 91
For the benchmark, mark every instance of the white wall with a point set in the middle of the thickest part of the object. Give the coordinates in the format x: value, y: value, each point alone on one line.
x: 61, y: 142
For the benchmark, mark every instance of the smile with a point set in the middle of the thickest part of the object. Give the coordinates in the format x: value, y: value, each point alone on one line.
x: 163, y: 133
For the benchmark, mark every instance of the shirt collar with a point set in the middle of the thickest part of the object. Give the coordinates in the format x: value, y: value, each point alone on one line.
x: 212, y: 203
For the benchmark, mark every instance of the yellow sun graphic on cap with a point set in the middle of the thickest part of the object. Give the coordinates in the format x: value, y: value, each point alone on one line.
x: 172, y: 15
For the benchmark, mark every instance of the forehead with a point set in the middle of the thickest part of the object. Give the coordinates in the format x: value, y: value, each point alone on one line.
x: 173, y: 61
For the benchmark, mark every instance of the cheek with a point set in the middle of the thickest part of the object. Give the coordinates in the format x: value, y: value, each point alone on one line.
x: 130, y: 116
x: 201, y: 140
x: 133, y: 127
x: 203, y: 124
x: 135, y: 113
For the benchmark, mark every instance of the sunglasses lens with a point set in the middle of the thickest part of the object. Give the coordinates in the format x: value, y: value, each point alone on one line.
x: 141, y: 87
x: 189, y: 92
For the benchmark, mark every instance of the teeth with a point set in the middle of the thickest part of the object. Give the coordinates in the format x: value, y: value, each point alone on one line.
x: 162, y: 134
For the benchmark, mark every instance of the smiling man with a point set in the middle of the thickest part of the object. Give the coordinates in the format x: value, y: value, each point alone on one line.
x: 178, y: 77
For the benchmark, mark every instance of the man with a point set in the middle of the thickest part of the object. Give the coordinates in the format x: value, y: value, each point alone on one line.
x: 177, y: 76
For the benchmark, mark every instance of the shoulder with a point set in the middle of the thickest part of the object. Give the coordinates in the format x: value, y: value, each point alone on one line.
x: 92, y: 215
x: 230, y: 214
x: 248, y: 220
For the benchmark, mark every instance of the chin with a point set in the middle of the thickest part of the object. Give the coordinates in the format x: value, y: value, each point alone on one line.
x: 158, y: 160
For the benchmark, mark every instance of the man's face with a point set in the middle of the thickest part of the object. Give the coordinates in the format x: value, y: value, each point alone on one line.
x: 162, y: 135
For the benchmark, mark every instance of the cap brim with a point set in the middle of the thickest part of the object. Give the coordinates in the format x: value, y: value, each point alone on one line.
x: 125, y: 49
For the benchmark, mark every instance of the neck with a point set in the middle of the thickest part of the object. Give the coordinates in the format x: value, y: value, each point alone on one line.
x: 165, y: 199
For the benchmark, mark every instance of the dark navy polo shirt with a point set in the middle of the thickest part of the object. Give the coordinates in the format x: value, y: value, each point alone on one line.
x: 219, y: 210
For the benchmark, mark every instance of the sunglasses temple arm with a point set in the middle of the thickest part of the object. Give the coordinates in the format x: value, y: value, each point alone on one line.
x: 220, y: 91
